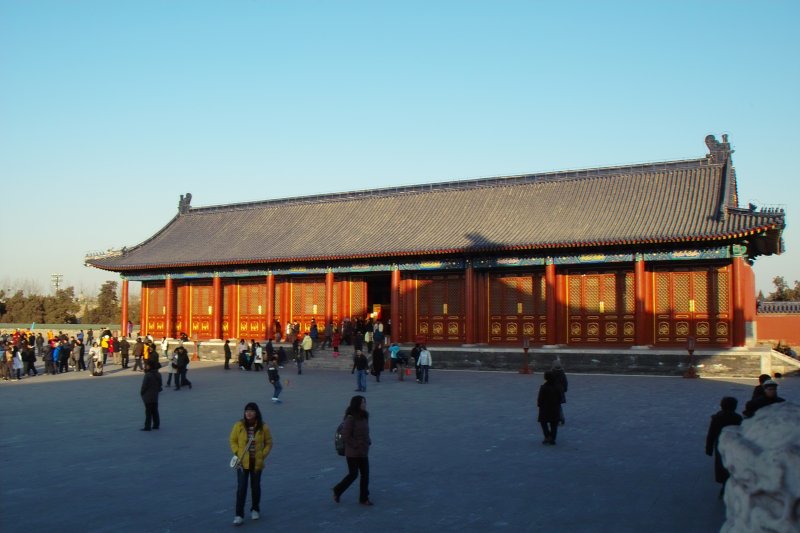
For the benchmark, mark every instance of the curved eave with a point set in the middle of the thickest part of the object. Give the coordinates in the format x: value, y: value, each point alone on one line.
x: 449, y: 251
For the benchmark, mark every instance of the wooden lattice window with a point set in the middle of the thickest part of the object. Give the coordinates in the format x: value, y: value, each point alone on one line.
x: 180, y: 300
x: 681, y: 292
x: 513, y: 295
x: 592, y: 287
x: 251, y: 297
x: 723, y: 291
x: 630, y: 293
x: 610, y: 294
x: 201, y: 299
x: 277, y: 300
x: 701, y: 292
x: 297, y: 301
x: 455, y: 296
x: 336, y: 296
x: 574, y: 295
x: 226, y: 298
x: 358, y: 297
x: 662, y: 293
x: 156, y: 300
x: 541, y: 297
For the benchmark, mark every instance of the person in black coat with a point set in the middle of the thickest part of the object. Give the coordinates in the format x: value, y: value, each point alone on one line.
x: 770, y: 396
x: 758, y: 390
x: 151, y: 386
x: 378, y: 362
x: 727, y: 416
x: 560, y: 379
x: 549, y: 403
x: 183, y: 367
x: 228, y: 354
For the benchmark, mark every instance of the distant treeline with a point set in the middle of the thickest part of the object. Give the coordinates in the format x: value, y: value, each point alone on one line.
x: 63, y: 308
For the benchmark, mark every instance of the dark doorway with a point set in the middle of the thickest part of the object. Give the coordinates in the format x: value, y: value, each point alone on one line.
x: 379, y: 293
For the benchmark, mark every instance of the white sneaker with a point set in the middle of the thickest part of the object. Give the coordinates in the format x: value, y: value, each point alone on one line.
x: 238, y: 521
x: 254, y: 515
x: 274, y: 399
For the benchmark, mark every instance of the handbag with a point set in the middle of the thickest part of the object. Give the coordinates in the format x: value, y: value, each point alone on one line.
x: 236, y: 460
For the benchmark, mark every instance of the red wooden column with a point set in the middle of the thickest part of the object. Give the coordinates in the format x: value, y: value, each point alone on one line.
x: 346, y: 294
x: 738, y: 294
x: 469, y: 304
x: 482, y: 327
x: 286, y: 306
x: 124, y: 324
x: 328, y: 298
x: 169, y: 296
x: 551, y: 301
x: 270, y: 305
x: 639, y: 277
x: 143, y: 312
x: 394, y: 301
x: 216, y: 307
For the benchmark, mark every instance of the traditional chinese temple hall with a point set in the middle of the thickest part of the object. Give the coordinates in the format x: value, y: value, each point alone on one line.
x: 644, y: 255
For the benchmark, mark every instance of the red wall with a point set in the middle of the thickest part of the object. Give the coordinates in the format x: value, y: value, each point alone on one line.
x: 775, y: 327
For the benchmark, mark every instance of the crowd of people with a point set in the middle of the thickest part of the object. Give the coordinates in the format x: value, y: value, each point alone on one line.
x: 60, y: 353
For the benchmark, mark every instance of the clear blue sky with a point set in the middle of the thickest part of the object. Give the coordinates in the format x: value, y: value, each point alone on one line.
x: 110, y: 110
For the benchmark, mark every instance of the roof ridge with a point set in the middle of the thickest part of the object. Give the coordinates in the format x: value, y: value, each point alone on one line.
x: 473, y: 183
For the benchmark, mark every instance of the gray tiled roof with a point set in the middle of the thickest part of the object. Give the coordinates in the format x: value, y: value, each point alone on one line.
x: 673, y: 202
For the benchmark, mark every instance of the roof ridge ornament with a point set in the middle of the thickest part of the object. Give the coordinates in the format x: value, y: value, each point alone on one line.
x: 718, y: 151
x: 184, y: 203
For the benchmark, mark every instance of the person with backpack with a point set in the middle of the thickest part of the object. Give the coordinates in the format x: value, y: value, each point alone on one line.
x: 355, y: 433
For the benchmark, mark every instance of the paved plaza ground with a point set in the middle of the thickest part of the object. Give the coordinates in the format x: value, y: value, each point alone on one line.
x: 462, y: 453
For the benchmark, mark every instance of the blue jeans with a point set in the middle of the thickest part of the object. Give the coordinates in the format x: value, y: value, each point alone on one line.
x: 361, y: 379
x: 242, y: 477
x: 278, y: 388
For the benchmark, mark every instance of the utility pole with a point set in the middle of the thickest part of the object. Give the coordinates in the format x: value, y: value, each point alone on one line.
x: 55, y: 279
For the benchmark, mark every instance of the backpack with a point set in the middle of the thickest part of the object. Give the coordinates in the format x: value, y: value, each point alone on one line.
x: 338, y: 439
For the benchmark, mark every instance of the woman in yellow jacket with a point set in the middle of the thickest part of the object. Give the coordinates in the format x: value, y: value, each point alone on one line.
x: 250, y: 429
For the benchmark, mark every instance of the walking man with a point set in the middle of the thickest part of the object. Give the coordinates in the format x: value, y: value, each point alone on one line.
x: 124, y: 350
x: 360, y: 364
x: 138, y: 353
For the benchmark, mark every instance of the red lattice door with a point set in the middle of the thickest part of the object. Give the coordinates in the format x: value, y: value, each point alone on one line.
x: 253, y: 310
x: 601, y: 307
x: 228, y: 290
x: 440, y: 308
x: 200, y: 296
x: 181, y: 314
x: 308, y: 302
x: 358, y: 298
x: 517, y: 308
x: 693, y: 302
x: 156, y: 310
